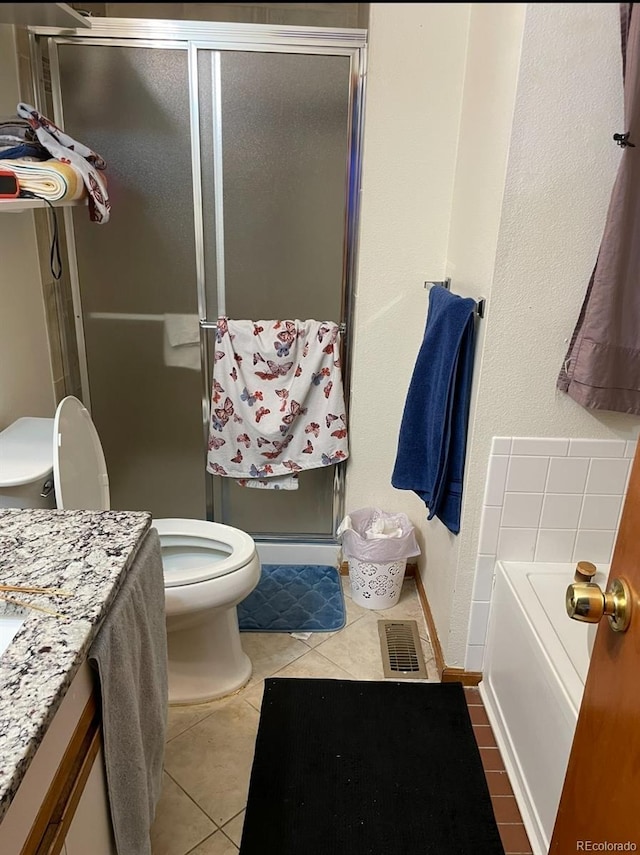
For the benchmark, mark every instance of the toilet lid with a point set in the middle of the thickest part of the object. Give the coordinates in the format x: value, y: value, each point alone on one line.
x: 79, y: 467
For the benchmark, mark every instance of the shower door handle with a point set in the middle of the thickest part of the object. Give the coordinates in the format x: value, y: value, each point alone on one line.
x: 587, y: 602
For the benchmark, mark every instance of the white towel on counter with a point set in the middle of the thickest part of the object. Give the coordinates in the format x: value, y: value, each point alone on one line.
x: 182, y: 341
x: 49, y: 179
x: 277, y: 405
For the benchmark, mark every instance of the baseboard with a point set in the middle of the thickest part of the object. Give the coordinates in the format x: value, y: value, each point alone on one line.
x: 412, y: 573
x: 459, y: 675
x: 431, y: 626
x: 447, y: 675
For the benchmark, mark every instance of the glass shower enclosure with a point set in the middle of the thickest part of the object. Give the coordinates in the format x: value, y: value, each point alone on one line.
x: 233, y: 157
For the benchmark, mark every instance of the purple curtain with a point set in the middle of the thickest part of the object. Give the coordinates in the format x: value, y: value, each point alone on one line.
x: 602, y: 366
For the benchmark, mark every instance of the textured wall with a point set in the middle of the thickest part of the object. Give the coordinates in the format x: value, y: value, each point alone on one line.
x: 414, y: 90
x: 26, y: 387
x: 492, y: 61
x: 542, y: 85
x: 561, y: 168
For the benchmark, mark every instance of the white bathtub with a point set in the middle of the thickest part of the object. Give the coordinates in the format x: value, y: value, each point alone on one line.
x: 535, y: 666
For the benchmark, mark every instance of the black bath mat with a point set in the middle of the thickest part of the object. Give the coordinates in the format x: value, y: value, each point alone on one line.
x: 346, y: 767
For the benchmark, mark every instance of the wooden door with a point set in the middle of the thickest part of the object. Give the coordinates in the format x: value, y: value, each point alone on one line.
x: 600, y: 802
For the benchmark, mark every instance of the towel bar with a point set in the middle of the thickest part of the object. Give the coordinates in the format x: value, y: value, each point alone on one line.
x: 446, y: 283
x: 211, y: 325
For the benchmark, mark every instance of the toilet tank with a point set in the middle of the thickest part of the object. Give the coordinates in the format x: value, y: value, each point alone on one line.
x: 26, y: 464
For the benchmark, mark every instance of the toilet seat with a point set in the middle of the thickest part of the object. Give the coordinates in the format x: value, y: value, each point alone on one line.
x: 193, y: 551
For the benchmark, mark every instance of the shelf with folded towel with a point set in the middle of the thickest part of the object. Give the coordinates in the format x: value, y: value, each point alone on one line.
x: 16, y: 205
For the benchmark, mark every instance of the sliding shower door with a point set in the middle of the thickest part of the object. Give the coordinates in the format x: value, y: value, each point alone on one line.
x: 275, y: 143
x: 233, y: 161
x: 131, y: 105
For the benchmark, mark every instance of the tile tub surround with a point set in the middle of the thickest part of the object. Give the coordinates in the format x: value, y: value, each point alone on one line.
x: 546, y: 499
x: 86, y: 552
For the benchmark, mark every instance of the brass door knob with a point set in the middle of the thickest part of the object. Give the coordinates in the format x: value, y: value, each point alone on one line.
x: 585, y: 601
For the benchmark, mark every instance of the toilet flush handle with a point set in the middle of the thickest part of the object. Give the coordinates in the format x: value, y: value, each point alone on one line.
x: 47, y: 487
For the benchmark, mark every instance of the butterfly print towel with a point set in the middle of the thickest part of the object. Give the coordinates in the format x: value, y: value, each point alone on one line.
x: 277, y: 404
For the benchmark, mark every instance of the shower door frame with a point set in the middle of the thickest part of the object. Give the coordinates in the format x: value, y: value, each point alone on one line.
x: 194, y: 36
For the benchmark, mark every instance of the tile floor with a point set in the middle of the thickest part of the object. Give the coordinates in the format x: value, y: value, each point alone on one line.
x: 505, y: 809
x: 210, y: 746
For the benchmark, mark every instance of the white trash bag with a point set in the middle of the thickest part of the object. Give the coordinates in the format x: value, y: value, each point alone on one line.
x: 377, y: 545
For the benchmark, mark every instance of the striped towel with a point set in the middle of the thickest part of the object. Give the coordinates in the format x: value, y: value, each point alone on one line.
x: 64, y: 148
x: 50, y: 179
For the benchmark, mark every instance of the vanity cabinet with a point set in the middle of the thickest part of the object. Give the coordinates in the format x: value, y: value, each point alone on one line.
x: 62, y: 804
x: 90, y: 829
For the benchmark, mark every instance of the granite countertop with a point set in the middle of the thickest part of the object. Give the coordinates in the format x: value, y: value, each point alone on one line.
x: 87, y: 552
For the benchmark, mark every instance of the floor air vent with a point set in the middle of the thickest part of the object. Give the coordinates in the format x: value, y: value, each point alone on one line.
x: 401, y: 654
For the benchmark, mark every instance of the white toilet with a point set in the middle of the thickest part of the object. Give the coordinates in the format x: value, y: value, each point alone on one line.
x: 208, y: 567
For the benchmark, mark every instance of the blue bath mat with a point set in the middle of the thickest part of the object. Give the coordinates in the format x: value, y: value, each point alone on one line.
x: 294, y: 598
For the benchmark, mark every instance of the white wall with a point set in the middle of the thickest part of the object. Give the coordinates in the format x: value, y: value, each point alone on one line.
x: 514, y: 212
x: 414, y: 91
x: 492, y: 63
x: 561, y: 168
x: 26, y: 385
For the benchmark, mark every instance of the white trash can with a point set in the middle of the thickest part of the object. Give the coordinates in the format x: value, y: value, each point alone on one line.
x: 377, y: 545
x: 376, y: 586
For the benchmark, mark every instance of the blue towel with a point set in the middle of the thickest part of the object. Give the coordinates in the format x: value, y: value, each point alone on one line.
x: 433, y: 433
x: 21, y: 150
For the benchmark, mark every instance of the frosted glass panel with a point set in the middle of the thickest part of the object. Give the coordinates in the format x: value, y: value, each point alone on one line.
x: 207, y: 178
x: 132, y: 106
x: 285, y: 147
x: 284, y: 154
x: 307, y: 510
